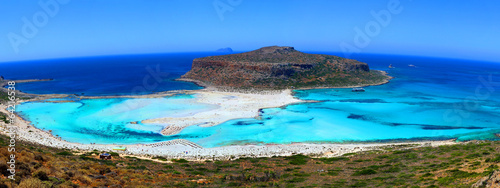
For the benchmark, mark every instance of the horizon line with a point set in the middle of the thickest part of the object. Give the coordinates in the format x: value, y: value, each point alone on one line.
x: 235, y: 52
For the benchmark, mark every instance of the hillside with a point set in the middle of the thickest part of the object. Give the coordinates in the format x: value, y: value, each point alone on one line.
x: 458, y: 165
x: 281, y: 67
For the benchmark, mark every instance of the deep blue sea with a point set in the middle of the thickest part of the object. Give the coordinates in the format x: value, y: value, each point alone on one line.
x: 434, y: 99
x: 106, y: 75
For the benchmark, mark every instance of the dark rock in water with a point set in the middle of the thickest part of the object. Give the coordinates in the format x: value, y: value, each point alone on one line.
x: 364, y: 100
x: 248, y: 123
x: 277, y: 67
x: 225, y: 50
x: 356, y: 116
x: 433, y: 127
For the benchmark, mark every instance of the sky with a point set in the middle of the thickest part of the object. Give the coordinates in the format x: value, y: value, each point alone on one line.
x: 44, y: 29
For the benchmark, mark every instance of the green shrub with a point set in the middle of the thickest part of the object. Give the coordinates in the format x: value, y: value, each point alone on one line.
x: 348, y: 154
x: 411, y: 156
x: 427, y: 175
x: 297, y: 159
x: 197, y: 173
x: 456, y: 154
x: 302, y: 174
x: 333, y: 159
x: 383, y: 156
x: 455, y: 173
x: 400, y: 151
x: 296, y: 180
x: 359, y: 184
x: 496, y: 159
x: 393, y: 169
x: 364, y: 172
x: 180, y: 160
x: 472, y: 156
x: 64, y: 153
x: 445, y: 180
x: 332, y: 173
x: 169, y: 166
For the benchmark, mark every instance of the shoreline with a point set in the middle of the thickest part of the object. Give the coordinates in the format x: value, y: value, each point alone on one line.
x: 203, y: 84
x: 385, y: 81
x: 247, y: 105
x: 29, y: 96
x: 172, y: 92
x: 175, y: 149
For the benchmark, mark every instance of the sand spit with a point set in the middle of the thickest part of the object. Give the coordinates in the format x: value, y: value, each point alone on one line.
x: 28, y: 96
x: 230, y: 105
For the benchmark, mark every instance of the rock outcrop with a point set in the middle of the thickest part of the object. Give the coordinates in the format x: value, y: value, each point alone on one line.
x: 491, y: 181
x: 281, y: 67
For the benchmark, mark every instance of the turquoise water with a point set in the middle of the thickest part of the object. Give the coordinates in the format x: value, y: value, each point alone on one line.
x: 344, y: 116
x: 109, y: 120
x: 437, y: 99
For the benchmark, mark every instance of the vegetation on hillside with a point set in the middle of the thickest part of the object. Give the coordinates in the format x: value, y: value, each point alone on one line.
x: 4, y: 97
x: 445, y: 166
x: 271, y: 54
x: 325, y: 74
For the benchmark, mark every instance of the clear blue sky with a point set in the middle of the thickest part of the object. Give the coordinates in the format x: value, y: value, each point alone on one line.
x: 458, y: 29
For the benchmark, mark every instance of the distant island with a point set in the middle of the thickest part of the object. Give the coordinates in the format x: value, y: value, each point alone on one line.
x: 278, y: 67
x: 225, y: 50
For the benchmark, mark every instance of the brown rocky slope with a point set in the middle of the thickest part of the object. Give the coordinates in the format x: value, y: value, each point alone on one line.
x: 278, y: 67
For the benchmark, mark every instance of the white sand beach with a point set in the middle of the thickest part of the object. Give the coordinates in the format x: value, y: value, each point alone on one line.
x: 231, y: 105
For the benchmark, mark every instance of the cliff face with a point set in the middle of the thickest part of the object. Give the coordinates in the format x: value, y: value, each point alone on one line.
x: 281, y: 67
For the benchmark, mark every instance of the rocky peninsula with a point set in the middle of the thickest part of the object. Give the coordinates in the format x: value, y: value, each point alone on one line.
x: 278, y: 67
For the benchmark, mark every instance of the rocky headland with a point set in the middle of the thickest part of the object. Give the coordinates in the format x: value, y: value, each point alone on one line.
x: 278, y: 67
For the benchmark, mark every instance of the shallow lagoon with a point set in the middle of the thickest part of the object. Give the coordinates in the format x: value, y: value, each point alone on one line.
x: 108, y: 121
x: 428, y: 101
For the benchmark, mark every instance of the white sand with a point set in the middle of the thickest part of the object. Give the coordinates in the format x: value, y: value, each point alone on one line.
x: 231, y: 105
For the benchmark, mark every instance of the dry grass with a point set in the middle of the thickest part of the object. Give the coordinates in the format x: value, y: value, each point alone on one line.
x: 446, y: 166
